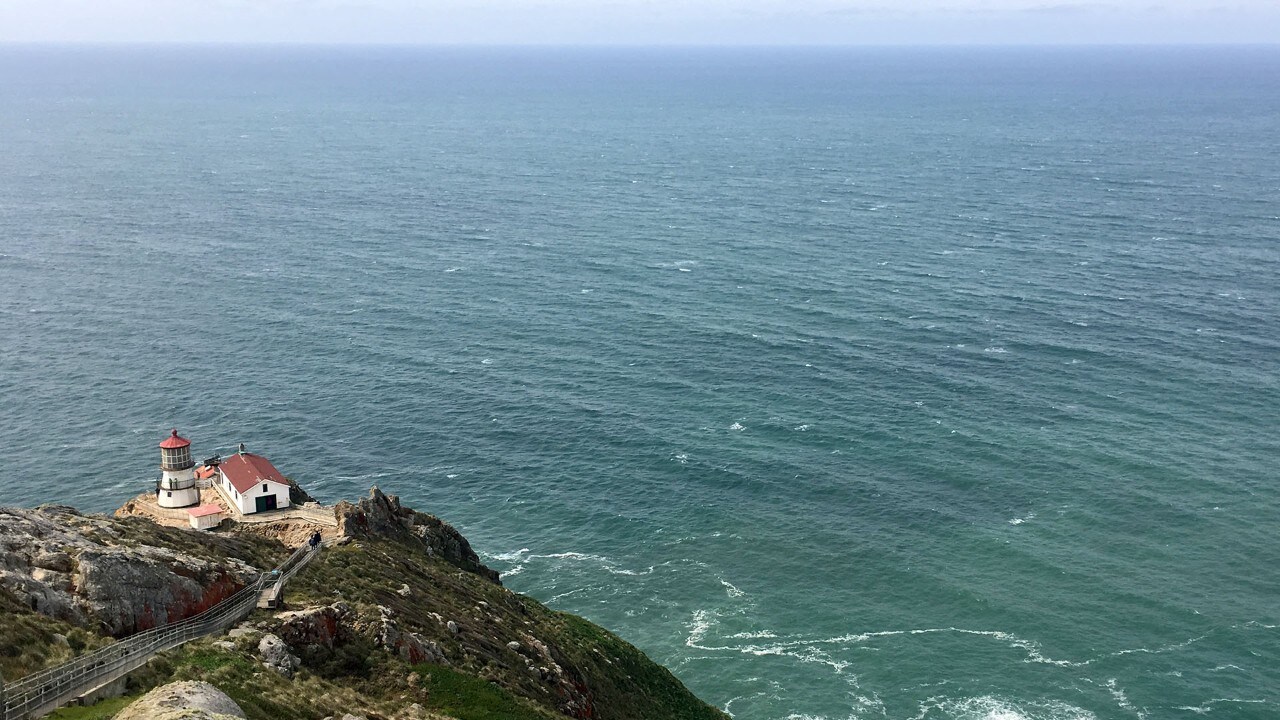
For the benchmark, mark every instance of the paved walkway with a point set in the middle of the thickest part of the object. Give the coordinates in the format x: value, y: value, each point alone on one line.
x: 317, y: 514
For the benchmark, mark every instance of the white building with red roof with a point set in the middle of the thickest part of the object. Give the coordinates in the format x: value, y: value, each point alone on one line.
x: 251, y: 483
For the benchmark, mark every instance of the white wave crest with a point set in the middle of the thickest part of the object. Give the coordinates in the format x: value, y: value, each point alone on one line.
x: 363, y: 478
x: 988, y: 707
x: 703, y: 620
x: 524, y: 556
x: 512, y: 556
x: 1207, y: 706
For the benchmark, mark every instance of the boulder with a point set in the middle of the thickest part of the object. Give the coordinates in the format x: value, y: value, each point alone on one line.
x: 276, y: 656
x: 191, y: 700
x: 315, y: 626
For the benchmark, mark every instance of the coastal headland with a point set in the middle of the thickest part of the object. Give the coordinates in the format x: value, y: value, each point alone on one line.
x: 394, y: 618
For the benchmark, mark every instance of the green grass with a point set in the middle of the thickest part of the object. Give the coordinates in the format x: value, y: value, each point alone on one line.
x: 633, y: 686
x: 622, y: 683
x: 469, y: 698
x: 266, y: 695
x: 101, y: 710
x: 28, y: 643
x: 208, y: 661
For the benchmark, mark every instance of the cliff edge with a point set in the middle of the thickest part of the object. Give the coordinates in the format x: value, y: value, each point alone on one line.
x: 396, y: 619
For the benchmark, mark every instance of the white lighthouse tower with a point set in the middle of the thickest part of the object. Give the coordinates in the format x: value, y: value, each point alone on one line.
x: 177, y: 487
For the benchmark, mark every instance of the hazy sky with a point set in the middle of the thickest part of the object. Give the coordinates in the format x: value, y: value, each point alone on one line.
x: 792, y: 22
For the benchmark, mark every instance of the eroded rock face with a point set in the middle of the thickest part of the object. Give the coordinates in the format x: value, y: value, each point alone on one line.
x: 410, y: 646
x: 324, y: 626
x: 72, y: 567
x: 330, y: 626
x: 567, y: 683
x: 276, y: 656
x: 381, y: 515
x: 183, y: 701
x: 132, y: 589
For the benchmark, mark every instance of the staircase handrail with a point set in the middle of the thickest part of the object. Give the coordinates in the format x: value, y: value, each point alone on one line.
x: 57, y: 684
x: 135, y: 639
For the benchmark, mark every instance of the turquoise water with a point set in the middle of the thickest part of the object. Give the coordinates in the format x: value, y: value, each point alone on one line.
x: 848, y: 384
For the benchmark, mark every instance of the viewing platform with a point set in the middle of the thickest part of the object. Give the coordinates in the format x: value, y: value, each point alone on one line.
x: 309, y: 517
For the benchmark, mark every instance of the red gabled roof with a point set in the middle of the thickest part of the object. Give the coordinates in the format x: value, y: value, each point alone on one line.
x: 174, y: 441
x: 205, y: 510
x: 245, y: 470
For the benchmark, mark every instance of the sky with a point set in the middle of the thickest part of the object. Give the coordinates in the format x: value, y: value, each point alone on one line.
x: 643, y: 22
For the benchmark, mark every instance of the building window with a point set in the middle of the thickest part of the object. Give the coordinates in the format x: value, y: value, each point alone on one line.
x: 168, y: 494
x: 264, y: 487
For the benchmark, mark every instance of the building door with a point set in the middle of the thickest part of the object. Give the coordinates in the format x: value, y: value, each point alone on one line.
x: 266, y: 502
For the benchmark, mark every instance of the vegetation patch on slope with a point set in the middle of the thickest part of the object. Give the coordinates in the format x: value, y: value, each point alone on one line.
x: 30, y: 642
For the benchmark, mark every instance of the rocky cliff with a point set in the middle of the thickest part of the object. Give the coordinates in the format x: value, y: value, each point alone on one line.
x: 120, y: 576
x: 382, y: 516
x: 398, y: 619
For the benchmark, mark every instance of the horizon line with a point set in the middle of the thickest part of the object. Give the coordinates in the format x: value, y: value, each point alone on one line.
x: 624, y: 45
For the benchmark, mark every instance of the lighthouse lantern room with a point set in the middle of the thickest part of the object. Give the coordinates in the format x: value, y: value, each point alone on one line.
x: 177, y: 486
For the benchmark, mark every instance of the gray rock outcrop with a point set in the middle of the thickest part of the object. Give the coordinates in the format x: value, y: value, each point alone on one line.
x: 324, y: 626
x: 330, y: 626
x: 80, y: 569
x: 276, y: 656
x: 410, y: 646
x: 191, y: 700
x: 381, y: 515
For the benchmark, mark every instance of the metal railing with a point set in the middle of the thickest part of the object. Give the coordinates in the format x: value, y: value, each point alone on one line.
x: 270, y: 596
x: 316, y: 516
x: 44, y: 691
x: 322, y: 515
x: 299, y: 558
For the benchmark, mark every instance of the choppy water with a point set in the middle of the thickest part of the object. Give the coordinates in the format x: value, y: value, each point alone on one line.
x: 877, y: 383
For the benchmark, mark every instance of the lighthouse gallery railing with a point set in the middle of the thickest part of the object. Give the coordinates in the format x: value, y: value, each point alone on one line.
x: 43, y: 692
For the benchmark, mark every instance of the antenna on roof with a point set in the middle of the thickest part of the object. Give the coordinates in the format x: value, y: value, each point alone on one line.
x: 241, y: 448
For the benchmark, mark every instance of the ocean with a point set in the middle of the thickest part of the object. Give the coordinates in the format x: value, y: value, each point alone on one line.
x: 847, y: 383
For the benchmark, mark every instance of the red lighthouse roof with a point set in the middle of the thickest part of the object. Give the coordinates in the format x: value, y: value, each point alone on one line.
x: 175, y: 441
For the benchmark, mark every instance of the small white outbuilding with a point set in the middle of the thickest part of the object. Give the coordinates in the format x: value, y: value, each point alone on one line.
x: 205, y: 517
